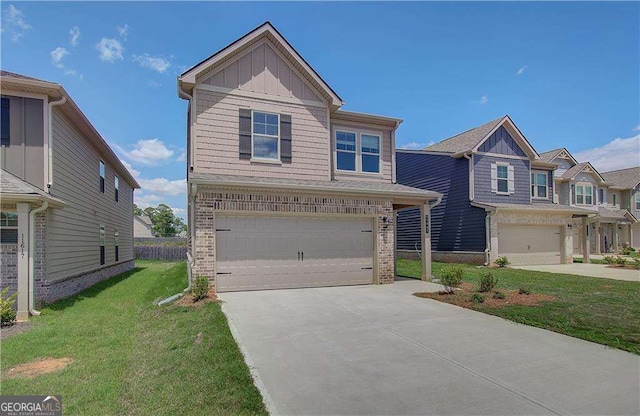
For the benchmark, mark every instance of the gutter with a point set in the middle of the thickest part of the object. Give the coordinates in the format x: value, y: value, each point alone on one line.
x: 469, y: 157
x: 189, y: 97
x: 32, y: 249
x: 50, y: 138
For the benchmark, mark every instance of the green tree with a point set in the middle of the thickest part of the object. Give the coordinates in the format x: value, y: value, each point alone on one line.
x: 137, y: 210
x: 165, y: 222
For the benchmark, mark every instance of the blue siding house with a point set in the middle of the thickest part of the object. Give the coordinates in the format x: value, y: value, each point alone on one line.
x: 497, y: 199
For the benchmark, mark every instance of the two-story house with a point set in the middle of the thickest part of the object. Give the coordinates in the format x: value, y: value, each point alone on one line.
x: 497, y: 199
x: 625, y: 183
x: 581, y: 185
x: 67, y: 201
x: 286, y: 189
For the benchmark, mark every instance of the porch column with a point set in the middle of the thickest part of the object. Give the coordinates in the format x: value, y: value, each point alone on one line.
x: 567, y: 245
x: 630, y: 235
x: 23, y: 261
x: 425, y: 242
x: 586, y: 249
x: 598, y: 250
x: 615, y: 238
x: 395, y: 243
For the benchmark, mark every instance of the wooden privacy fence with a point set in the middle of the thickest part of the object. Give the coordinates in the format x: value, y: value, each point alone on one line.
x: 167, y: 253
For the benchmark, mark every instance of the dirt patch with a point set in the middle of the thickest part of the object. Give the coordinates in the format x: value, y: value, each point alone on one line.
x: 198, y: 339
x: 620, y: 266
x: 464, y: 297
x: 188, y: 300
x: 38, y: 367
x: 10, y: 330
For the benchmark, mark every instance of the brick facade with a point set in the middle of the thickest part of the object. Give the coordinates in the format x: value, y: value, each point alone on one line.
x: 210, y: 201
x: 9, y: 267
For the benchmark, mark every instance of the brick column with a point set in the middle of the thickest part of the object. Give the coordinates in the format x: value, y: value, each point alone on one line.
x: 205, y: 255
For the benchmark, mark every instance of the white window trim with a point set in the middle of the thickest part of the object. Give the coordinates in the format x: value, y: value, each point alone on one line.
x: 637, y: 201
x: 103, y: 235
x: 10, y: 227
x: 584, y: 186
x: 100, y: 165
x: 358, y: 152
x: 535, y: 185
x: 498, y: 179
x: 265, y: 159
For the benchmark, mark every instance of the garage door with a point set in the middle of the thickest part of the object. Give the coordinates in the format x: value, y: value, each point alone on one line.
x: 277, y: 252
x: 527, y: 244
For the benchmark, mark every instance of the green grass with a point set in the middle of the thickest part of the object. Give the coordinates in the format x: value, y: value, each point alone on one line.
x: 599, y: 310
x: 132, y: 357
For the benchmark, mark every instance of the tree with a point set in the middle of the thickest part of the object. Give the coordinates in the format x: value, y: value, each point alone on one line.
x: 137, y: 211
x: 165, y: 222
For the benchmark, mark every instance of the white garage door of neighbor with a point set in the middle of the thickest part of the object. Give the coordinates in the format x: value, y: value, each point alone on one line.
x: 278, y: 252
x: 529, y: 244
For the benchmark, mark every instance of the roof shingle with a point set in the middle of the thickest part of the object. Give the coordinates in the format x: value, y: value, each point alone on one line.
x: 465, y: 141
x: 623, y: 178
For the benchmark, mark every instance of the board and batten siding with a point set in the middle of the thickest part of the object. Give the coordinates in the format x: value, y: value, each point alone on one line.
x: 73, y: 233
x: 216, y: 138
x: 24, y: 157
x: 385, y: 138
x: 482, y: 180
x: 501, y: 142
x: 455, y: 224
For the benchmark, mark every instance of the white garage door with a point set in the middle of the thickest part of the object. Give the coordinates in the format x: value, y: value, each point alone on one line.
x: 529, y: 244
x: 277, y: 252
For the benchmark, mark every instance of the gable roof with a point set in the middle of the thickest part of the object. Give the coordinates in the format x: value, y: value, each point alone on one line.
x: 144, y: 219
x: 10, y: 81
x: 581, y: 167
x: 470, y: 140
x: 561, y: 152
x: 616, y: 214
x: 266, y: 30
x: 15, y: 189
x: 623, y: 178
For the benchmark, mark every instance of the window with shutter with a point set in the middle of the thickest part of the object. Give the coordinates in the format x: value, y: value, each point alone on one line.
x: 285, y: 138
x: 245, y: 133
x: 503, y: 178
x: 265, y: 136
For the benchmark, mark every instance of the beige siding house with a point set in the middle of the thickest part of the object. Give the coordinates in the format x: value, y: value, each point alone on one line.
x: 285, y: 189
x: 67, y: 200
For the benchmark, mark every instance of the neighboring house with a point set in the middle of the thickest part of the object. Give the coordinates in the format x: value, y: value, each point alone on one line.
x: 626, y: 184
x: 497, y: 199
x: 581, y: 185
x: 67, y: 200
x: 142, y: 226
x: 285, y: 189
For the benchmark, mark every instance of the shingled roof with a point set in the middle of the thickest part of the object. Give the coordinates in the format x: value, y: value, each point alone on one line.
x: 15, y: 189
x: 574, y: 170
x: 624, y: 178
x: 465, y: 141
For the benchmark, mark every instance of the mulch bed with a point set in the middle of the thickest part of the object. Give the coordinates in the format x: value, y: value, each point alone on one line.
x: 463, y: 297
x: 188, y: 300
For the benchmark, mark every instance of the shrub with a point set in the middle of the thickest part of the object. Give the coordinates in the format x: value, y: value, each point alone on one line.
x: 499, y: 295
x: 524, y: 291
x: 451, y: 277
x: 636, y: 263
x: 477, y: 298
x: 609, y: 259
x: 487, y: 282
x: 200, y: 288
x: 7, y: 312
x: 621, y: 261
x: 628, y: 250
x: 502, y: 261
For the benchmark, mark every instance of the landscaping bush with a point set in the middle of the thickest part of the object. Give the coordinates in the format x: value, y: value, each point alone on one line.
x: 628, y: 250
x: 524, y: 291
x: 7, y: 312
x: 621, y: 261
x: 477, y: 298
x: 636, y: 263
x: 499, y: 295
x: 200, y: 288
x: 609, y: 259
x: 451, y: 277
x: 502, y: 261
x: 487, y: 282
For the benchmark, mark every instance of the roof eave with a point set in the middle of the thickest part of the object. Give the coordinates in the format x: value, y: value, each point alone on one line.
x: 13, y: 197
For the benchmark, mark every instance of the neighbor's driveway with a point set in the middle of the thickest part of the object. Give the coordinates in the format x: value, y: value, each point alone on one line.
x: 593, y: 270
x: 379, y: 350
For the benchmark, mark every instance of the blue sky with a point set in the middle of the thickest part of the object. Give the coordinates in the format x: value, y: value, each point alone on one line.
x: 567, y: 73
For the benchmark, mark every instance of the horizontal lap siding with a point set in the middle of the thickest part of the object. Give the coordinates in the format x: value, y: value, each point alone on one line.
x: 217, y: 143
x: 73, y: 233
x: 482, y: 182
x: 386, y: 151
x: 455, y: 224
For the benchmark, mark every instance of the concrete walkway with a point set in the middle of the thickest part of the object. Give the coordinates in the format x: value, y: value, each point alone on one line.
x: 371, y: 350
x: 593, y: 270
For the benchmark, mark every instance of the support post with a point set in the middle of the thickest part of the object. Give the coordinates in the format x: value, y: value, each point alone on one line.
x: 630, y: 235
x: 425, y: 241
x: 598, y: 236
x: 395, y: 243
x: 616, y: 238
x: 23, y: 261
x: 586, y: 249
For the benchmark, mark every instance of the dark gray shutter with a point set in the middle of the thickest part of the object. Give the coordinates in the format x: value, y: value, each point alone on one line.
x: 593, y: 196
x: 245, y: 133
x: 573, y: 194
x: 285, y: 138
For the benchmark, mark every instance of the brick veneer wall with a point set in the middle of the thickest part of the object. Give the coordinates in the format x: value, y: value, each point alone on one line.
x: 9, y: 267
x: 210, y: 200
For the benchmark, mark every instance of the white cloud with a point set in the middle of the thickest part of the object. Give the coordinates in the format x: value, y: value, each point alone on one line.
x: 57, y: 55
x: 148, y: 152
x: 182, y: 157
x: 13, y: 23
x: 74, y: 32
x: 154, y: 84
x: 521, y: 70
x: 179, y: 211
x: 144, y: 201
x: 110, y: 50
x: 483, y: 100
x: 164, y: 186
x: 123, y: 31
x: 415, y: 145
x: 617, y: 154
x: 155, y: 63
x: 132, y: 171
x: 636, y: 128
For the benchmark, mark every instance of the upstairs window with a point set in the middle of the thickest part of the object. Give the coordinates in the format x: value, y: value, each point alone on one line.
x: 116, y: 185
x: 5, y: 122
x: 614, y: 199
x: 103, y: 242
x: 601, y: 196
x: 637, y: 202
x: 539, y: 186
x: 370, y: 147
x: 102, y: 175
x: 265, y: 136
x: 116, y: 241
x: 584, y: 195
x: 9, y: 228
x: 346, y: 151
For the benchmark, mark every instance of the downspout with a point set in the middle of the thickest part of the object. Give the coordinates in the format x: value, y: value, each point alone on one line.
x: 191, y: 121
x: 471, y: 176
x: 393, y: 154
x: 50, y: 139
x: 487, y: 226
x: 32, y: 249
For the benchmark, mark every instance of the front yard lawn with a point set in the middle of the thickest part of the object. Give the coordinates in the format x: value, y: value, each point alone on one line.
x: 124, y: 355
x: 599, y: 310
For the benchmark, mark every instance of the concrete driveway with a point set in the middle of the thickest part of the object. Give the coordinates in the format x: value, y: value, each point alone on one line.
x: 369, y: 350
x: 593, y: 270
